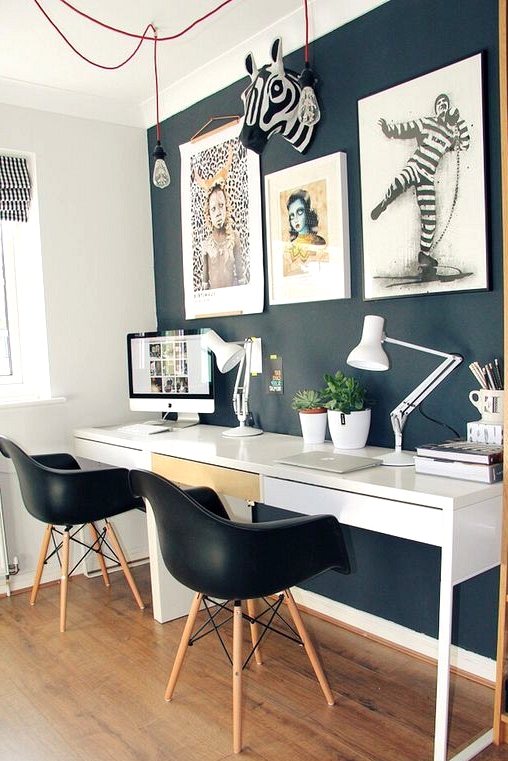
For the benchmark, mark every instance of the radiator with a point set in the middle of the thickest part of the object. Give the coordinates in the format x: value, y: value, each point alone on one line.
x: 4, y: 558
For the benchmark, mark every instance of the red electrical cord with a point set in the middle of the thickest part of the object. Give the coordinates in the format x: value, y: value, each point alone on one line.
x: 158, y: 126
x: 306, y: 54
x: 143, y: 36
x: 140, y: 37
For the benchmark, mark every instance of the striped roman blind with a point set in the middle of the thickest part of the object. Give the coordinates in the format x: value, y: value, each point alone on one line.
x: 14, y: 189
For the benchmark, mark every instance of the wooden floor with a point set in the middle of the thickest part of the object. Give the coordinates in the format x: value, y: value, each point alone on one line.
x: 95, y: 693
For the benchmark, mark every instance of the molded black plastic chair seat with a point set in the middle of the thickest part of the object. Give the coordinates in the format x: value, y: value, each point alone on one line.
x: 226, y: 560
x: 57, y: 492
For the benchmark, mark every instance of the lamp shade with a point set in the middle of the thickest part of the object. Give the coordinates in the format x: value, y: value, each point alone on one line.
x: 227, y: 355
x: 369, y: 354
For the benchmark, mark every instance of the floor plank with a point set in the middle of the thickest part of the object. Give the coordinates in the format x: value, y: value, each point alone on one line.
x: 96, y: 692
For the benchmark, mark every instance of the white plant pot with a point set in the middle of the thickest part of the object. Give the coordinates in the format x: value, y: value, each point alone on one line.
x: 313, y: 423
x: 349, y: 431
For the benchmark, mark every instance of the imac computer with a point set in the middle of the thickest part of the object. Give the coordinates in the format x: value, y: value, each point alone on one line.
x: 170, y: 372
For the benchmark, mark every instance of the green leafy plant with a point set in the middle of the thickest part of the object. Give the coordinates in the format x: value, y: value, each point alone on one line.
x: 343, y: 393
x: 308, y: 399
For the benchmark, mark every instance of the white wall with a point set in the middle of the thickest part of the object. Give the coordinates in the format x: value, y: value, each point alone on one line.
x: 96, y: 240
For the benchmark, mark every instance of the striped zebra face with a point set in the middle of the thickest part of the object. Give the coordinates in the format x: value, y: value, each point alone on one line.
x: 271, y: 104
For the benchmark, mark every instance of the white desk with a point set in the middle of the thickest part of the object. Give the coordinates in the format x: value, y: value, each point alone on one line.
x: 462, y: 518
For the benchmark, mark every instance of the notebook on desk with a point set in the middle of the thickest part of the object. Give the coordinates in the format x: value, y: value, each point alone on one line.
x: 331, y: 461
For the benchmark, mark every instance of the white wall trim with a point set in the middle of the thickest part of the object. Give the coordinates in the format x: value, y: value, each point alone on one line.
x: 474, y: 664
x: 379, y: 628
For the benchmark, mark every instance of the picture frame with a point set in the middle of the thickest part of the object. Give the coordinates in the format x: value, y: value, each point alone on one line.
x: 423, y: 185
x: 222, y: 249
x: 308, y: 231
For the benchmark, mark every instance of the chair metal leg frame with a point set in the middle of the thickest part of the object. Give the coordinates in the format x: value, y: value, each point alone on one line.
x: 96, y: 547
x: 61, y: 549
x: 254, y: 630
x: 214, y: 608
x: 301, y: 636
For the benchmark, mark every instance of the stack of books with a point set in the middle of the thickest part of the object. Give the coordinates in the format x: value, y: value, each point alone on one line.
x: 461, y: 459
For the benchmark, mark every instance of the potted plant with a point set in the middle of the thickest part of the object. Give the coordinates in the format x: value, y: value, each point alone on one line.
x: 309, y: 404
x: 348, y: 411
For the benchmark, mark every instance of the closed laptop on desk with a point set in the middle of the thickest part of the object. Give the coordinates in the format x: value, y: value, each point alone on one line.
x: 331, y: 461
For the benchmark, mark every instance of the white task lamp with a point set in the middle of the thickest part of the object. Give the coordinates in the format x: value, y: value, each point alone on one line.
x: 227, y: 356
x: 370, y: 355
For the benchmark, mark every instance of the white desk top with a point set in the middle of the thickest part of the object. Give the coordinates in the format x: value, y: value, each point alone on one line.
x: 257, y: 454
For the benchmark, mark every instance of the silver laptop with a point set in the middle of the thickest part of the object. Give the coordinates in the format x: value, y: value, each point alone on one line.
x: 331, y: 461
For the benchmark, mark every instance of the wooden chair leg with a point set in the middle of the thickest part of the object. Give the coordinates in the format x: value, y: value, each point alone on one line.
x: 183, y: 646
x: 309, y: 648
x: 237, y: 677
x: 64, y: 578
x: 254, y: 630
x: 40, y: 565
x: 100, y: 557
x: 123, y: 563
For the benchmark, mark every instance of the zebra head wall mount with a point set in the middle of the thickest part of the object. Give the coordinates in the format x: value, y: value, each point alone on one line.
x: 265, y: 116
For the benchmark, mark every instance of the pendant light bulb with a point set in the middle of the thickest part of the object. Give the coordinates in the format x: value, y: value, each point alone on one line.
x: 308, y: 107
x: 161, y: 178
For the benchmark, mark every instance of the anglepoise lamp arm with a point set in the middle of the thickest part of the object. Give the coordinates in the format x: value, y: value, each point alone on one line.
x: 370, y: 355
x: 402, y: 411
x: 228, y: 356
x: 241, y: 389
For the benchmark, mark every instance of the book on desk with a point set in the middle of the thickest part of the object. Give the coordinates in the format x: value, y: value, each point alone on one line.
x: 463, y: 451
x: 468, y: 471
x: 461, y: 459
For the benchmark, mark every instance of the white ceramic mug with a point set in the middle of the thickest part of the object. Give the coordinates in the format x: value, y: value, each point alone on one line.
x: 490, y: 404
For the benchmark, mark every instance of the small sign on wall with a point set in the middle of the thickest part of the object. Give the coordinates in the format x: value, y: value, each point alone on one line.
x: 275, y: 378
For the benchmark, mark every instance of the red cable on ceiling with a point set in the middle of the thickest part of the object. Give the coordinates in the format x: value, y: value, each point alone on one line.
x: 84, y: 57
x: 140, y: 37
x: 143, y: 36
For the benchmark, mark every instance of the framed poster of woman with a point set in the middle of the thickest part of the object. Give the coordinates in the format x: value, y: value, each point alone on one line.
x: 308, y: 231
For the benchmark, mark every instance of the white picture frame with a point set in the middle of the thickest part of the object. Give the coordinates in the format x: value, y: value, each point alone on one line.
x: 392, y: 242
x: 314, y: 265
x: 234, y: 279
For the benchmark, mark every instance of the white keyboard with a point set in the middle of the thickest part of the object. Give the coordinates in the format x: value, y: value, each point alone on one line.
x: 144, y: 429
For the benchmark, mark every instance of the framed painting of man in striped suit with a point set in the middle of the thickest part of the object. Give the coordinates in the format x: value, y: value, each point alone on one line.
x: 423, y: 184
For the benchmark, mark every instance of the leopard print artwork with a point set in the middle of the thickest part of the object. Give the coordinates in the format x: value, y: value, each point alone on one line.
x: 207, y: 164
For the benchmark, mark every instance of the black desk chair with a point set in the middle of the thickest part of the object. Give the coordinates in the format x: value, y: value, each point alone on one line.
x: 224, y: 560
x: 57, y: 492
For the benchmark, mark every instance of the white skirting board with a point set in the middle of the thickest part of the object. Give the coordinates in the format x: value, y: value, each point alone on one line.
x: 400, y: 636
x: 378, y: 628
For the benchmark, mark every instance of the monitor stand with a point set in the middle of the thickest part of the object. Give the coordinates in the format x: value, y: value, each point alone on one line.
x: 182, y: 420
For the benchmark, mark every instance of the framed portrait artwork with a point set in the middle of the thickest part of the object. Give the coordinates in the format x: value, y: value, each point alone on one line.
x: 221, y: 227
x: 308, y: 232
x: 423, y: 184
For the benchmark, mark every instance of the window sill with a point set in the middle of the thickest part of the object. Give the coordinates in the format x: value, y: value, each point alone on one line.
x: 31, y: 402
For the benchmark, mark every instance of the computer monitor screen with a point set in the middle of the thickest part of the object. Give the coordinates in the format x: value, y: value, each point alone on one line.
x: 170, y: 372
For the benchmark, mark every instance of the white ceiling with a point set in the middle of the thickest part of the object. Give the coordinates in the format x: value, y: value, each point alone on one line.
x: 39, y: 70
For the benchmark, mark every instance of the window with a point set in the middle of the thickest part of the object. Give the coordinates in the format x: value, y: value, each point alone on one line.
x: 24, y: 372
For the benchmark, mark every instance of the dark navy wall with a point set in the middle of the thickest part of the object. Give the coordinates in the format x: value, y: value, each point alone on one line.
x: 398, y: 41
